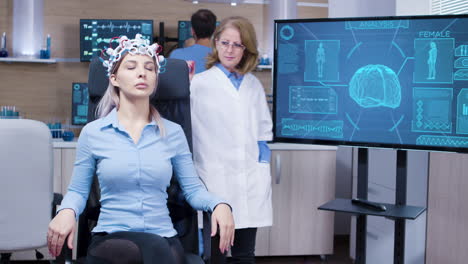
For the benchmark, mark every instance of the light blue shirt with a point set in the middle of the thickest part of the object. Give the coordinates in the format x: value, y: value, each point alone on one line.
x: 236, y: 80
x: 195, y: 53
x: 134, y: 177
x: 234, y: 77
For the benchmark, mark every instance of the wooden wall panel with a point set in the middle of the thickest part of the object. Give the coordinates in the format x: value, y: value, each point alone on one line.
x: 43, y: 91
x: 447, y: 212
x: 5, y: 19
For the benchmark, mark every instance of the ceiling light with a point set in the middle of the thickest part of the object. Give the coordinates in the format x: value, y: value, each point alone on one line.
x: 195, y: 2
x: 233, y: 4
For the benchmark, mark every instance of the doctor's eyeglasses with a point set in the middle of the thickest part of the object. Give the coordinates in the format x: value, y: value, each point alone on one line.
x: 234, y: 45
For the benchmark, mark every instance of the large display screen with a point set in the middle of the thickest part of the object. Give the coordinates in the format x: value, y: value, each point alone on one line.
x: 95, y: 34
x: 395, y: 82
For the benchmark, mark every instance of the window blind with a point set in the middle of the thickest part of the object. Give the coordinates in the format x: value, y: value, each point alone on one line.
x: 445, y: 7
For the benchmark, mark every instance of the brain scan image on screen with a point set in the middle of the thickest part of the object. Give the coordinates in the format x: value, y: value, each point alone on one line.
x: 374, y: 86
x: 393, y: 82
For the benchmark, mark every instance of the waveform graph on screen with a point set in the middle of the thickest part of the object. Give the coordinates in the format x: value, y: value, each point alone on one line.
x: 312, y: 99
x: 448, y: 141
x: 96, y: 34
x: 326, y: 128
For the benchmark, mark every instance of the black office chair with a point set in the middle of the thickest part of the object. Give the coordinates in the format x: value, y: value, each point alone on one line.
x: 172, y: 100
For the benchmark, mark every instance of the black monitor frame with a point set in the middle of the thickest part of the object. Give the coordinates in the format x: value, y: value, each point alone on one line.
x: 277, y: 138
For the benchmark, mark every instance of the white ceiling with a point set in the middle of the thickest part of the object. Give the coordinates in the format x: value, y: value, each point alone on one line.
x: 299, y: 3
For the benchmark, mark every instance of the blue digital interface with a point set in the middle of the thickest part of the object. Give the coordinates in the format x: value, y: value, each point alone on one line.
x: 95, y: 34
x: 80, y: 102
x: 184, y: 32
x: 396, y: 82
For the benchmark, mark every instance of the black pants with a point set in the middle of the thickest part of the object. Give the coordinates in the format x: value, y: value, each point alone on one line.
x: 134, y: 248
x: 243, y: 251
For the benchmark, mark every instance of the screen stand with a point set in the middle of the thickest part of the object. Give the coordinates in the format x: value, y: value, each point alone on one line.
x: 398, y: 212
x: 361, y: 222
x: 400, y: 200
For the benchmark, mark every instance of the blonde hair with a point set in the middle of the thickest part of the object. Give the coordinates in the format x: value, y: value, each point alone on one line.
x: 248, y: 37
x: 111, y: 99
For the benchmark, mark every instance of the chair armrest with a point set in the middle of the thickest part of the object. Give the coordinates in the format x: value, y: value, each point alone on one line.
x: 58, y: 197
x: 206, y: 237
x: 211, y: 244
x: 65, y: 256
x: 56, y: 202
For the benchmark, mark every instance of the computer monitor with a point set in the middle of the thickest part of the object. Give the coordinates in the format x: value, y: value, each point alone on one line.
x: 95, y: 34
x: 184, y: 32
x: 80, y: 102
x: 391, y: 82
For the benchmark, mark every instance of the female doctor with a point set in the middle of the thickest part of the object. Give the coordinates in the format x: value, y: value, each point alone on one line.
x: 231, y: 123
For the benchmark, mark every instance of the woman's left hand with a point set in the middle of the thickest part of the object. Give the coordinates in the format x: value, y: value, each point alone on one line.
x: 223, y: 218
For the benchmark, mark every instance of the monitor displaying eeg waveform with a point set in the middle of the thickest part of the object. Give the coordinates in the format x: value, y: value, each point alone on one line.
x: 95, y: 34
x: 395, y: 82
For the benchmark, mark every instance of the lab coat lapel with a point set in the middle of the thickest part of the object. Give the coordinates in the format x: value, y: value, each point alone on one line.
x: 225, y: 83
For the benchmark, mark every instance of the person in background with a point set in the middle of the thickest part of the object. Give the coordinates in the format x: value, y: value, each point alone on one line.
x: 203, y: 25
x: 133, y: 151
x: 231, y: 123
x: 189, y: 42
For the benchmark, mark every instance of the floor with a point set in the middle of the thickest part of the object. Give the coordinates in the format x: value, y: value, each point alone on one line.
x: 340, y: 256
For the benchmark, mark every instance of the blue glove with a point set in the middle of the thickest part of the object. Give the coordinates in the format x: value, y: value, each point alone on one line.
x: 264, y: 152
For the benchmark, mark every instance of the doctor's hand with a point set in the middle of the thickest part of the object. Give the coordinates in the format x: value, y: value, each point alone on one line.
x: 60, y: 227
x: 222, y: 216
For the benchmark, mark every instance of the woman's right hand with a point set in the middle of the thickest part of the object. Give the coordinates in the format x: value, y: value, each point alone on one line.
x: 222, y: 216
x: 60, y: 227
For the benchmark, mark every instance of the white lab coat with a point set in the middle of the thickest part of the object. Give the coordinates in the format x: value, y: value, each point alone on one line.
x: 226, y: 125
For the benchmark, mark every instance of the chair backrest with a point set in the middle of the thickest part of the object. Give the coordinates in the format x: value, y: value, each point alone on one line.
x: 26, y: 184
x: 172, y: 100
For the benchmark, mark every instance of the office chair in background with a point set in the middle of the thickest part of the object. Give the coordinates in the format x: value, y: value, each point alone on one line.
x: 27, y: 200
x: 172, y: 100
